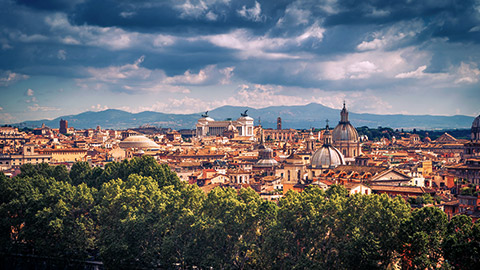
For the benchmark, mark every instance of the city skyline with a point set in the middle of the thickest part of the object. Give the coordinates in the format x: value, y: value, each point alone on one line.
x: 66, y: 57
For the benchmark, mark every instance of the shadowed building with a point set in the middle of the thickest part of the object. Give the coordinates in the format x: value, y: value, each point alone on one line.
x: 470, y: 169
x: 63, y: 126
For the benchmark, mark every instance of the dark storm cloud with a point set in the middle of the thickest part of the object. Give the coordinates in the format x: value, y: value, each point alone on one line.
x: 63, y: 35
x: 56, y: 5
x: 445, y: 18
x: 180, y: 17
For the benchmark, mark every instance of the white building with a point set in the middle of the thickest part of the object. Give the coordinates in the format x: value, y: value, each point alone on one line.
x: 207, y: 126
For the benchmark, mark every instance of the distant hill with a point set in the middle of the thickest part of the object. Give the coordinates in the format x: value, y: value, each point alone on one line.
x: 297, y: 117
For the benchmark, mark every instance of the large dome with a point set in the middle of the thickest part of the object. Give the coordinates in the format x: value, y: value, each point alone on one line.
x: 138, y: 141
x: 476, y: 129
x: 327, y: 156
x: 344, y: 131
x: 476, y: 122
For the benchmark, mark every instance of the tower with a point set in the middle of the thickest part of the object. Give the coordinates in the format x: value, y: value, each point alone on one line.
x: 63, y: 126
x: 310, y: 142
x: 279, y: 123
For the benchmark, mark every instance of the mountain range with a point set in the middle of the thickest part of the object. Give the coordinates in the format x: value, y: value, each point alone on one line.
x: 297, y: 117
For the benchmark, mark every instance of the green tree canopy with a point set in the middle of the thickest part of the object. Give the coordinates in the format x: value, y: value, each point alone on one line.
x: 422, y: 235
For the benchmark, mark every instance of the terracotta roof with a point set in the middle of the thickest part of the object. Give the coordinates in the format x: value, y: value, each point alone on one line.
x: 208, y: 188
x: 407, y: 189
x: 445, y: 138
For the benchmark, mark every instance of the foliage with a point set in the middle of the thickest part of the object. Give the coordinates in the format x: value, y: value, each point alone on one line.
x: 46, y: 217
x: 137, y: 214
x: 422, y: 235
x: 462, y: 243
x: 421, y: 200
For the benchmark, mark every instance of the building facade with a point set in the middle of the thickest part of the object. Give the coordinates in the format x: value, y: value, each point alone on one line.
x: 207, y: 126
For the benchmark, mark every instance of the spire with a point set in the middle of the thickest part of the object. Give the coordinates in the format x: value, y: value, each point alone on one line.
x: 262, y: 141
x: 327, y: 136
x: 344, y: 114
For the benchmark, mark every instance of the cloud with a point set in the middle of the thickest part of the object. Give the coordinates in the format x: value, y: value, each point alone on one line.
x: 134, y: 78
x: 467, y: 73
x: 250, y: 46
x: 418, y: 73
x: 339, y: 46
x: 192, y: 10
x: 62, y: 55
x: 253, y: 13
x: 29, y: 92
x: 99, y: 107
x: 260, y: 96
x: 112, y: 38
x: 7, y: 118
x: 209, y: 75
x: 37, y: 108
x: 392, y: 36
x: 8, y: 78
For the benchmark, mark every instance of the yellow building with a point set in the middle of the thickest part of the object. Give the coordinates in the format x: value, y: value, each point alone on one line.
x: 28, y: 156
x: 66, y: 155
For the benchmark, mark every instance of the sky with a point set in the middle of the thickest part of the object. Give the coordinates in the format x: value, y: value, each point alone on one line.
x: 187, y: 56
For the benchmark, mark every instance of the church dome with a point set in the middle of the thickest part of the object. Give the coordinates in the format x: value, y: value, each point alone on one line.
x: 476, y: 122
x: 265, y: 157
x: 138, y: 141
x: 476, y: 129
x: 344, y: 131
x: 327, y: 156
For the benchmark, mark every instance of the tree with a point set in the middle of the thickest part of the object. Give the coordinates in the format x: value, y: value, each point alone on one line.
x: 422, y: 235
x: 80, y: 172
x: 61, y: 173
x: 133, y: 216
x: 230, y: 228
x: 369, y: 230
x: 46, y: 217
x: 144, y: 166
x: 462, y: 243
x: 304, y: 235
